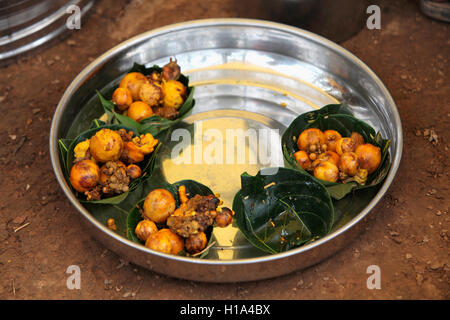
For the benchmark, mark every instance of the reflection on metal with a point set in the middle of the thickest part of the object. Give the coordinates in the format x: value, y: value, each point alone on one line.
x: 27, y: 24
x: 436, y: 9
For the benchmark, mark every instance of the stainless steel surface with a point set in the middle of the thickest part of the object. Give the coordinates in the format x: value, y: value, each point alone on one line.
x: 248, y: 73
x: 335, y: 20
x: 436, y: 9
x: 27, y: 24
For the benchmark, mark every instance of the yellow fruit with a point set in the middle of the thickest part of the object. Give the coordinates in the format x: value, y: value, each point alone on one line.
x: 349, y: 163
x: 160, y: 242
x: 133, y: 82
x: 177, y: 242
x: 139, y: 110
x: 326, y: 171
x: 369, y: 157
x: 84, y: 175
x: 331, y: 137
x: 106, y: 145
x: 122, y: 98
x: 303, y: 159
x: 158, y: 205
x: 144, y: 229
x: 311, y: 140
x: 151, y: 94
x: 134, y: 171
x: 81, y: 149
x: 224, y: 217
x: 345, y: 145
x: 174, y: 93
x: 330, y: 156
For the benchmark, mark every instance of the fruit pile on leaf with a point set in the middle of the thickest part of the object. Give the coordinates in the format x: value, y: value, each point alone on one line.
x: 150, y: 99
x: 105, y: 161
x: 174, y: 223
x: 343, y: 152
x: 331, y: 157
x: 158, y: 93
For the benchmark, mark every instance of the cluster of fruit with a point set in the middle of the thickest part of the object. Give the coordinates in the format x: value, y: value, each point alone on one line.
x: 166, y: 228
x: 117, y: 151
x: 331, y: 157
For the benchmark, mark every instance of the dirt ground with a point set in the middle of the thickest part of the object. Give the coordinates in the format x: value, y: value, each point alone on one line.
x: 408, y: 232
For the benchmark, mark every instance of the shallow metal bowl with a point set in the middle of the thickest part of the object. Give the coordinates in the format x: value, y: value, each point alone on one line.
x: 248, y: 74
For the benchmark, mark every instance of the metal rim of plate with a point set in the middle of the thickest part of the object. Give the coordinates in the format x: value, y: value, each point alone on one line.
x: 226, y: 270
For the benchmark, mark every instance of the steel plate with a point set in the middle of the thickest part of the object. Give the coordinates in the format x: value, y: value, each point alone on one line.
x: 249, y: 74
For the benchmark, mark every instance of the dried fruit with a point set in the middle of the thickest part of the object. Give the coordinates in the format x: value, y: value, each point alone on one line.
x: 114, y: 178
x: 196, y: 243
x: 171, y: 71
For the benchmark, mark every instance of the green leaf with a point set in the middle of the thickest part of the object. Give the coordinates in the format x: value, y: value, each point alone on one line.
x: 108, y: 106
x: 64, y: 145
x: 339, y: 118
x: 281, y: 211
x: 153, y: 124
x: 192, y: 188
x: 147, y: 165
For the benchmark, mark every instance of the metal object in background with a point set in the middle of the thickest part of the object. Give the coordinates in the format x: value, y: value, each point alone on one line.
x: 336, y: 20
x: 27, y: 24
x: 241, y: 68
x: 437, y: 9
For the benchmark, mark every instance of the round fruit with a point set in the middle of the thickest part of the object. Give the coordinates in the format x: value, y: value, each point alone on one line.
x: 139, y: 110
x: 303, y: 159
x: 331, y: 137
x: 106, y: 145
x: 145, y: 228
x: 158, y: 205
x: 369, y: 157
x: 349, y: 163
x: 326, y: 171
x: 133, y: 82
